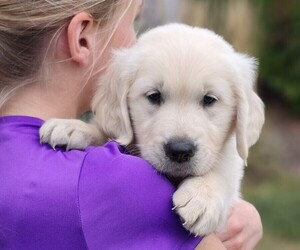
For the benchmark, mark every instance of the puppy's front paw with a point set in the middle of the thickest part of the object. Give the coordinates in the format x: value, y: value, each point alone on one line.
x: 73, y: 134
x: 200, y: 207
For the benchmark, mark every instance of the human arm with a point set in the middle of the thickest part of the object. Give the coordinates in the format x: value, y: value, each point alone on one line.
x: 243, y: 229
x: 210, y: 242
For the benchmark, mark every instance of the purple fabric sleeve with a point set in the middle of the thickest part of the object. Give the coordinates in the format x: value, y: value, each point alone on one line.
x: 96, y: 199
x: 126, y: 204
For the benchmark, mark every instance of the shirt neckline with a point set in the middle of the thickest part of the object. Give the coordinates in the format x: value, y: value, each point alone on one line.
x: 20, y: 118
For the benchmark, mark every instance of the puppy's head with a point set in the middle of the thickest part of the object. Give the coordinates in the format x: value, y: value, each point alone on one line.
x: 183, y: 93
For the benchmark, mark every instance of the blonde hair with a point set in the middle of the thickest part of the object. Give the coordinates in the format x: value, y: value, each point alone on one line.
x: 25, y: 27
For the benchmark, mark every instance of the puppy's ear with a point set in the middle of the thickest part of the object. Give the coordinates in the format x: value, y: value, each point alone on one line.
x: 250, y: 108
x: 110, y: 105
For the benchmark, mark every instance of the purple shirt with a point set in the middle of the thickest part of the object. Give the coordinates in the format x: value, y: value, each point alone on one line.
x: 100, y: 198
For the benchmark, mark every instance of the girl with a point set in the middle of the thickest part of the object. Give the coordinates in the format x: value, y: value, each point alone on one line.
x: 51, y: 54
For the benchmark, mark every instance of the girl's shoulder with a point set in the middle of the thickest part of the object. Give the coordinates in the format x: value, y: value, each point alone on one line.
x: 126, y: 204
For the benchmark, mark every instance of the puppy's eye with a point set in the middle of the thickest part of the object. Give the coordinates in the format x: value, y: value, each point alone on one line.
x: 154, y: 97
x: 209, y: 100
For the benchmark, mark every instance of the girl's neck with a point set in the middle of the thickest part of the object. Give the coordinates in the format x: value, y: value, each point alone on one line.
x: 43, y: 103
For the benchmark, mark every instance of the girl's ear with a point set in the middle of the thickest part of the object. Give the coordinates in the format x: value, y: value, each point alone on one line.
x: 250, y: 108
x: 80, y: 35
x: 110, y: 104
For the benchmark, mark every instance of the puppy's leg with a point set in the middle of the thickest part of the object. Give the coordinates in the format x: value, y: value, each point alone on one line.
x: 203, y: 202
x: 71, y: 133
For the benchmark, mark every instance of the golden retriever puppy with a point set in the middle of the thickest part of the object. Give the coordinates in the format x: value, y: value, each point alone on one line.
x: 185, y: 98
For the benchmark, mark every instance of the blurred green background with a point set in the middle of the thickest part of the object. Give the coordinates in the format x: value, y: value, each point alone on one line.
x: 270, y: 31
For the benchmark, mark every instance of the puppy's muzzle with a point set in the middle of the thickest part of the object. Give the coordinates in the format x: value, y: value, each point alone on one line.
x: 180, y: 150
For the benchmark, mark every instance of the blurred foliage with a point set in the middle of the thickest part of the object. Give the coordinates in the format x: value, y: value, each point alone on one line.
x: 280, y: 49
x: 281, y: 219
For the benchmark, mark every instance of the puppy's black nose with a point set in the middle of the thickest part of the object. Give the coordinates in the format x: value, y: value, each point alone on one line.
x: 179, y: 150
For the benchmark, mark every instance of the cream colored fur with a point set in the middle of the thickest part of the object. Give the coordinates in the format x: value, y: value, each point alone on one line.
x: 184, y: 64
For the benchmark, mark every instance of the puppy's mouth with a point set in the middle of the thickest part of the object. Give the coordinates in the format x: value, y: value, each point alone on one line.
x: 177, y: 170
x: 176, y: 158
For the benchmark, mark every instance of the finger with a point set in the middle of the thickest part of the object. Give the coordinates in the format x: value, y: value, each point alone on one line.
x: 242, y: 241
x: 231, y: 229
x: 235, y: 243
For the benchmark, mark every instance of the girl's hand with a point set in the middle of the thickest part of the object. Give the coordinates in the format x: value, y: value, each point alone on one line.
x: 243, y: 229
